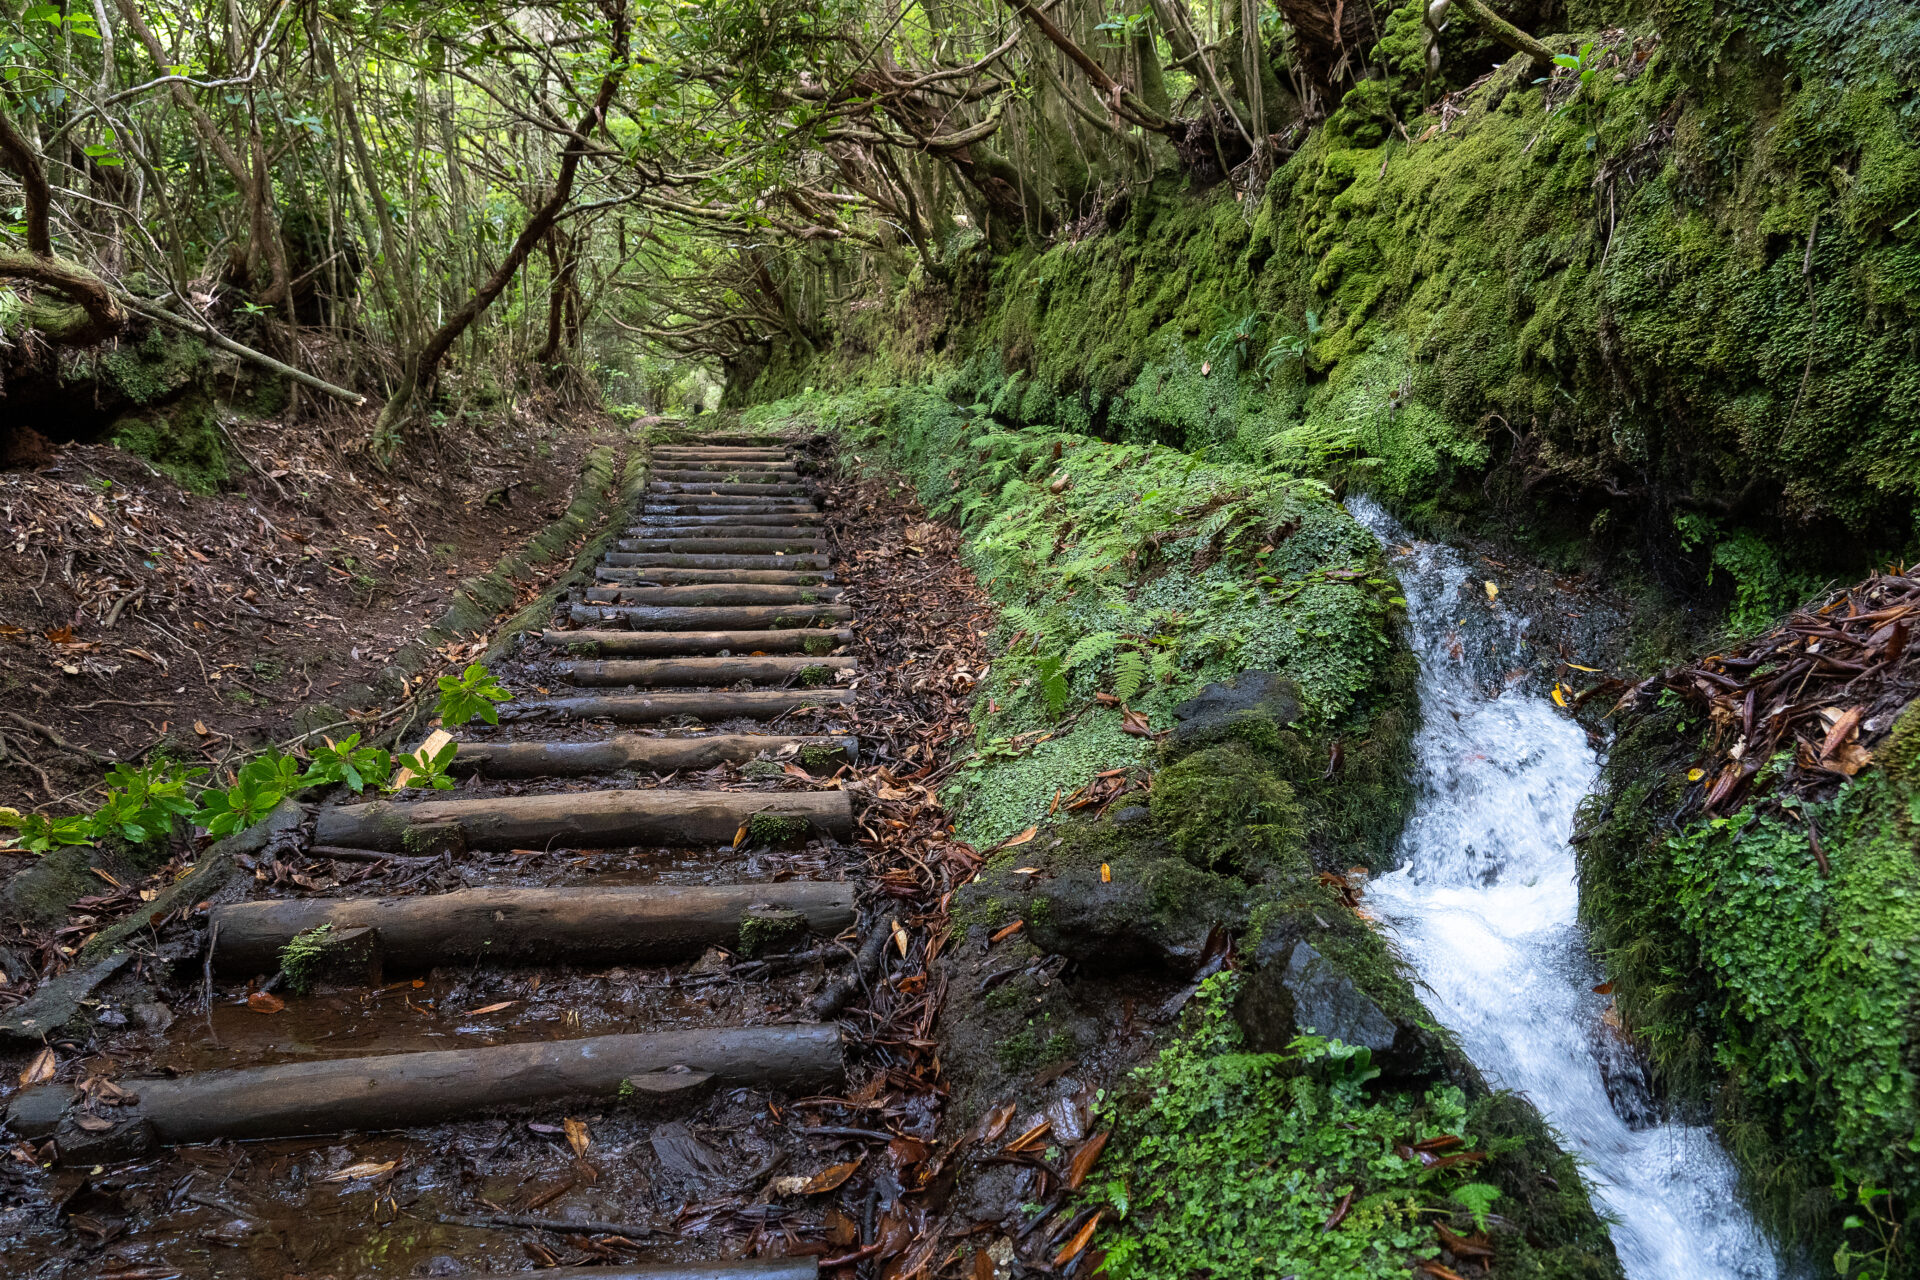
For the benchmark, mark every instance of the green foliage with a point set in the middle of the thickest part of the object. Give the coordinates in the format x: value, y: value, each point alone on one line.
x: 1786, y: 992
x: 1235, y: 1163
x: 143, y: 801
x: 261, y: 783
x: 428, y: 768
x: 37, y: 833
x: 348, y: 762
x: 470, y: 695
x: 776, y: 828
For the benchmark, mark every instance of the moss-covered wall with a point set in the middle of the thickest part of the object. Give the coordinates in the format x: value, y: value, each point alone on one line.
x: 1670, y: 318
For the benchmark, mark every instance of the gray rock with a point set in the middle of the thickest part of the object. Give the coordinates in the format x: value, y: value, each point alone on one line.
x: 1326, y: 1002
x: 57, y: 1002
x: 1131, y: 814
x: 153, y: 1016
x: 1222, y: 711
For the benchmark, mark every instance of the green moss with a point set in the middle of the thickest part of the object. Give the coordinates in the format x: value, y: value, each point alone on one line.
x: 813, y: 677
x: 303, y: 957
x: 818, y: 646
x: 183, y: 441
x: 776, y: 828
x: 817, y: 759
x: 1785, y: 994
x: 1223, y: 808
x: 763, y: 931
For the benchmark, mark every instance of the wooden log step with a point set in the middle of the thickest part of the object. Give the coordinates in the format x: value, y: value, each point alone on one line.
x: 740, y: 473
x: 802, y: 1268
x: 717, y: 469
x: 407, y: 1090
x: 654, y: 509
x: 797, y: 516
x: 731, y: 532
x: 677, y: 577
x: 721, y: 450
x: 648, y: 708
x: 727, y: 501
x: 589, y: 819
x: 681, y: 560
x: 770, y: 617
x: 723, y: 488
x: 692, y: 546
x: 654, y: 924
x: 641, y: 754
x: 666, y: 644
x: 718, y: 593
x: 669, y: 673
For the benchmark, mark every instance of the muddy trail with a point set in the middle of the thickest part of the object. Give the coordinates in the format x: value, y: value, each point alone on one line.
x: 646, y: 992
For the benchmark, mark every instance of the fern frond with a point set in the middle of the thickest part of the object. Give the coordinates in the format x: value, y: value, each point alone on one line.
x: 1088, y: 648
x: 1129, y: 674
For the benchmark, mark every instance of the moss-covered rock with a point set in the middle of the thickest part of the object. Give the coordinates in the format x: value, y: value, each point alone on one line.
x: 182, y: 440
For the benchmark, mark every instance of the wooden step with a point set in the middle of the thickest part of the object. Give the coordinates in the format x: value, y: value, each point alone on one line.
x: 691, y: 577
x: 708, y: 706
x: 677, y: 560
x: 642, y: 754
x: 407, y: 1090
x: 706, y: 468
x: 730, y: 532
x: 669, y: 643
x: 655, y: 924
x: 727, y: 501
x: 718, y: 593
x: 703, y: 509
x: 668, y: 673
x: 720, y: 488
x: 742, y: 473
x: 647, y: 617
x: 720, y: 451
x: 587, y: 819
x: 745, y: 519
x: 695, y: 546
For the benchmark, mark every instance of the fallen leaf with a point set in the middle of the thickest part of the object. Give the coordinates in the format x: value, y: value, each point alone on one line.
x: 1493, y: 592
x: 265, y: 1002
x: 1604, y: 989
x: 1133, y: 722
x: 59, y: 635
x: 1022, y: 838
x: 577, y: 1136
x: 1007, y: 932
x: 1439, y: 1272
x: 1850, y: 758
x: 830, y: 1177
x: 44, y: 1064
x: 1559, y: 699
x: 1843, y: 727
x: 93, y: 1124
x: 200, y: 728
x: 1694, y: 775
x: 98, y: 523
x: 490, y: 1008
x: 899, y: 938
x: 1071, y: 1249
x: 1106, y: 874
x: 1032, y: 1138
x: 1084, y: 1158
x: 996, y: 1122
x: 1474, y: 1246
x: 1577, y: 667
x: 364, y: 1169
x: 740, y: 836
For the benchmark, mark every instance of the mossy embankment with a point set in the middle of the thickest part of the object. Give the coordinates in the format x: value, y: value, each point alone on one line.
x: 1768, y: 957
x: 1667, y: 321
x: 1197, y: 724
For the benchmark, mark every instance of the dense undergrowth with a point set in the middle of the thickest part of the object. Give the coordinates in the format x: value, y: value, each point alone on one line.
x: 1130, y: 578
x: 1783, y: 994
x: 1142, y: 573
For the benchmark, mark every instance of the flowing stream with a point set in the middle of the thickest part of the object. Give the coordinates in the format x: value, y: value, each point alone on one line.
x: 1484, y: 907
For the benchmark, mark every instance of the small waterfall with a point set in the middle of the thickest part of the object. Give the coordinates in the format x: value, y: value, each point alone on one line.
x: 1484, y: 907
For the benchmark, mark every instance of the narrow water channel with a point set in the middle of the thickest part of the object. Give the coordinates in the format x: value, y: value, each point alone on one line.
x: 1484, y: 906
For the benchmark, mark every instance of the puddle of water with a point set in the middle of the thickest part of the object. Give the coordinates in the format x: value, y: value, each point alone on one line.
x: 1484, y: 906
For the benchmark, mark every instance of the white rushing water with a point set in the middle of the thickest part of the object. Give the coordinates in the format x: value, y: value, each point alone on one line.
x: 1484, y: 907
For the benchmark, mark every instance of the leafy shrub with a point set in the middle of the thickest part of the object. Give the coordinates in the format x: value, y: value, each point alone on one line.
x: 470, y: 695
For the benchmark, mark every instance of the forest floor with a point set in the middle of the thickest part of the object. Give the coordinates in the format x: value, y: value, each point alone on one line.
x: 137, y: 614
